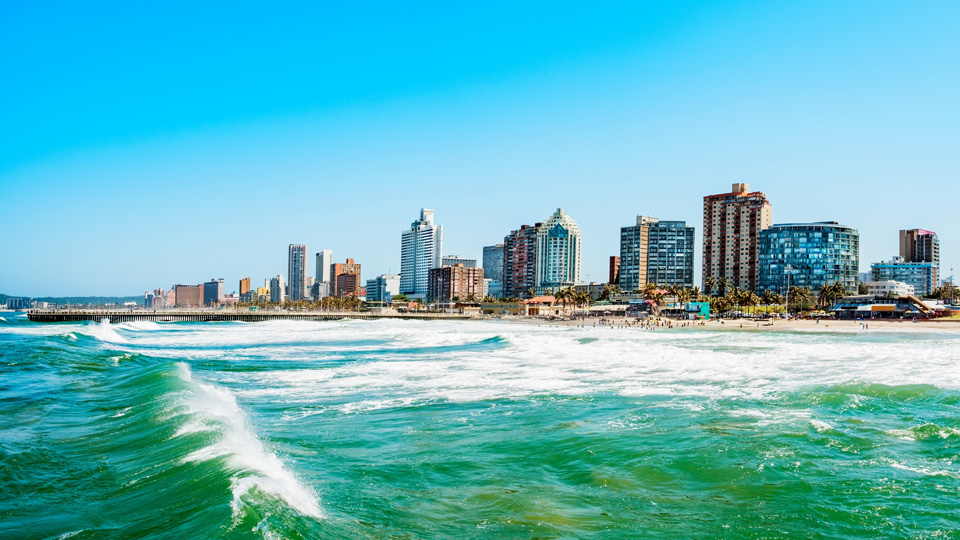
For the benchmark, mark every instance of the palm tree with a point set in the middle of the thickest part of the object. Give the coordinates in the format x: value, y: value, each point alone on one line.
x: 531, y: 292
x: 770, y: 298
x: 722, y: 304
x: 800, y: 296
x: 681, y: 293
x: 752, y: 299
x: 723, y: 283
x: 608, y: 291
x: 650, y: 291
x: 839, y: 291
x: 824, y: 294
x: 562, y: 296
x: 709, y: 283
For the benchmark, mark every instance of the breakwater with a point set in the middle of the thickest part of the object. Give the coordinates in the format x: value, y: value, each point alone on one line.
x: 205, y: 315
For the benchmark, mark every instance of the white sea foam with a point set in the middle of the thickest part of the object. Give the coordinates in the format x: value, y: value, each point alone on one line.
x: 924, y: 470
x: 544, y: 360
x: 257, y: 467
x: 104, y: 331
x: 139, y: 326
x: 398, y: 362
x: 820, y: 425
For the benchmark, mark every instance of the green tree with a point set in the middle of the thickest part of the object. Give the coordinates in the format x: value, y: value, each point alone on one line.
x: 650, y: 291
x: 608, y: 291
x: 800, y: 297
x: 681, y: 293
x: 709, y: 283
x: 723, y: 283
x: 769, y: 298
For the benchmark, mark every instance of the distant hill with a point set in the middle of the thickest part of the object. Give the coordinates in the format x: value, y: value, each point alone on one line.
x: 79, y: 300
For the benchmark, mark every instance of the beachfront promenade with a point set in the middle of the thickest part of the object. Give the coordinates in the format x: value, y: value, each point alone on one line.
x: 212, y: 315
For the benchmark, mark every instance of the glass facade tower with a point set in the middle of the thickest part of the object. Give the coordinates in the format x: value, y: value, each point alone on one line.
x: 818, y: 254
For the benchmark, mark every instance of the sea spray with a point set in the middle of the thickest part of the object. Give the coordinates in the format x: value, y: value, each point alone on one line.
x: 246, y: 454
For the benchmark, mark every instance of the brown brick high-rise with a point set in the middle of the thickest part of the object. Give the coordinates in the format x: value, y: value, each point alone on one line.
x: 731, y: 224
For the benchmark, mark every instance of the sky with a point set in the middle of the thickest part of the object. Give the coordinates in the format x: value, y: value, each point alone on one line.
x: 143, y: 145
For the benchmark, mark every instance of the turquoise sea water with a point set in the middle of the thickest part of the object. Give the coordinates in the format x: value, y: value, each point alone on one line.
x: 405, y: 429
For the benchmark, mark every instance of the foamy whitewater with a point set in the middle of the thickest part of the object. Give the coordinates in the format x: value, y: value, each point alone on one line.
x: 423, y: 429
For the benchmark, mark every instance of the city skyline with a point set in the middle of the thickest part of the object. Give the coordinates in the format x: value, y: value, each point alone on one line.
x: 637, y: 109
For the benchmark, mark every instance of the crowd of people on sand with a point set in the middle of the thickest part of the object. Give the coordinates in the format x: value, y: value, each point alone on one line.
x: 644, y: 324
x: 744, y: 323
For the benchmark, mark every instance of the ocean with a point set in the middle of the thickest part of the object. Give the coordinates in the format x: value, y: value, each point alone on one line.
x: 451, y: 429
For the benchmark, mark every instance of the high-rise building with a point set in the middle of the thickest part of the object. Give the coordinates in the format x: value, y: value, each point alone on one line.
x: 421, y: 249
x: 670, y: 257
x: 922, y: 276
x: 453, y: 260
x: 520, y: 261
x: 342, y: 286
x: 213, y: 292
x: 188, y: 295
x: 297, y: 272
x: 921, y: 246
x: 244, y: 286
x: 614, y: 277
x: 383, y: 288
x: 558, y: 253
x: 493, y: 262
x: 817, y: 254
x: 455, y: 282
x: 348, y: 284
x: 654, y: 251
x: 277, y: 289
x: 324, y: 260
x: 731, y: 225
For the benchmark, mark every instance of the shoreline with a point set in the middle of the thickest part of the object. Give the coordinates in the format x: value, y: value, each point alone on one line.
x: 768, y: 325
x: 754, y: 325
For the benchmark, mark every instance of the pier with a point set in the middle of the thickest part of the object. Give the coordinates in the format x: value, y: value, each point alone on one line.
x: 219, y: 315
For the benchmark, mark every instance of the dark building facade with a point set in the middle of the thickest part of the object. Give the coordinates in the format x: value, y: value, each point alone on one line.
x: 614, y: 277
x: 338, y: 271
x: 188, y: 295
x: 449, y: 282
x: 520, y: 261
x: 213, y: 292
x: 493, y: 262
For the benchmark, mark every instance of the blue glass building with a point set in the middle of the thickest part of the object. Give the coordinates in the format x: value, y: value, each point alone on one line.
x: 921, y: 275
x: 818, y: 253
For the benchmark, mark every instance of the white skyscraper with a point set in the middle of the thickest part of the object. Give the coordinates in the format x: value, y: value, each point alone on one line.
x: 421, y: 249
x: 324, y: 260
x: 558, y: 253
x: 322, y: 285
x: 297, y: 272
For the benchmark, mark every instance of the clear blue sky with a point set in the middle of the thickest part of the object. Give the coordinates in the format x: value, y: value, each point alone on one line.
x: 143, y: 145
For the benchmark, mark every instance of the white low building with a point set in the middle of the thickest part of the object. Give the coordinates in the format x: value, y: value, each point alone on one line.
x: 889, y: 288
